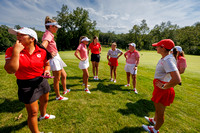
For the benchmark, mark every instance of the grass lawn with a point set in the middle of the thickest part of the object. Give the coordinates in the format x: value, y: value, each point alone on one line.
x: 110, y: 107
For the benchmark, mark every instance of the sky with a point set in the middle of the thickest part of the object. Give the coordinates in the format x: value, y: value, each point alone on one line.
x: 111, y: 15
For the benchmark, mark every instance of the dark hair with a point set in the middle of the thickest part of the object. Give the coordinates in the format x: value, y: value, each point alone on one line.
x: 175, y: 53
x: 49, y: 56
x: 94, y: 38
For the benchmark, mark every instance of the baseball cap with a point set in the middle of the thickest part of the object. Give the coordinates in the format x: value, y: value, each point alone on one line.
x: 24, y: 30
x: 85, y: 39
x: 166, y: 43
x: 178, y: 48
x: 54, y: 23
x: 132, y: 44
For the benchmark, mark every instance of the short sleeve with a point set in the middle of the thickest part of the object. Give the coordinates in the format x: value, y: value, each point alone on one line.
x: 108, y: 52
x: 170, y: 65
x: 79, y: 47
x: 119, y: 51
x: 8, y: 53
x: 126, y: 53
x: 47, y: 37
x: 137, y: 54
x: 90, y: 46
x: 182, y: 63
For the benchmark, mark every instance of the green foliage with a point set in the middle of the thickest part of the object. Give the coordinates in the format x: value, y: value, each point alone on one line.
x: 74, y: 24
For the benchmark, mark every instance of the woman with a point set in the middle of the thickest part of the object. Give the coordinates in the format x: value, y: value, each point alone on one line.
x: 132, y: 61
x: 113, y: 60
x: 83, y: 57
x: 95, y: 48
x: 181, y: 61
x: 165, y: 78
x: 56, y: 62
x: 29, y: 61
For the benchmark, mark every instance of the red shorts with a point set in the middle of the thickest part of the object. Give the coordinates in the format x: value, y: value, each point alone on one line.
x: 164, y: 96
x: 114, y: 62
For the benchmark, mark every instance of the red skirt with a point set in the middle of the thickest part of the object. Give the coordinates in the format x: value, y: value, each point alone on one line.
x: 114, y: 62
x: 164, y: 96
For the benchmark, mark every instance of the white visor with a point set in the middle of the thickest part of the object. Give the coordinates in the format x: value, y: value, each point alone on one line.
x: 85, y: 39
x: 54, y: 23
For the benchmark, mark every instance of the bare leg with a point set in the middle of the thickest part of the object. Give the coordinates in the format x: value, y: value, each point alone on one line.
x: 93, y: 68
x: 43, y: 103
x: 159, y: 116
x: 128, y: 77
x: 63, y: 79
x: 134, y: 81
x: 97, y: 68
x: 57, y: 75
x: 85, y: 77
x: 32, y: 110
x: 111, y: 71
x: 115, y: 72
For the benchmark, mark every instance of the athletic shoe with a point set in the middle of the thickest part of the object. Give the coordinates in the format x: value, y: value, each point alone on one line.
x: 84, y: 85
x: 61, y: 98
x: 111, y: 80
x: 67, y: 91
x: 97, y: 78
x: 115, y: 81
x: 150, y: 129
x: 127, y: 85
x: 150, y: 120
x: 87, y: 90
x: 46, y: 116
x: 135, y: 91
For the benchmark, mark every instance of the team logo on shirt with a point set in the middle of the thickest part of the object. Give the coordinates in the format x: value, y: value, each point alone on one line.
x: 39, y: 55
x: 21, y: 54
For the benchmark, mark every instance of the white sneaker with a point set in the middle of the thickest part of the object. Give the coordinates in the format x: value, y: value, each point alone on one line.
x: 67, y: 91
x: 115, y: 81
x: 135, y: 91
x: 46, y: 116
x: 61, y: 98
x: 127, y: 85
x: 87, y: 90
x: 84, y: 85
x: 111, y: 80
x: 150, y: 129
x: 150, y: 120
x: 95, y: 78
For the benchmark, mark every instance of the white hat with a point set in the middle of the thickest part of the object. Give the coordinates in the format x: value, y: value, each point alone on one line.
x: 85, y: 39
x: 24, y: 30
x: 54, y: 23
x: 132, y: 44
x: 178, y: 48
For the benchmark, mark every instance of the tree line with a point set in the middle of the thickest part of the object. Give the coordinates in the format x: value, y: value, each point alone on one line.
x: 77, y: 23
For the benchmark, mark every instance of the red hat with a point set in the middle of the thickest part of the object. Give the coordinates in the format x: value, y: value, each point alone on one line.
x: 166, y: 43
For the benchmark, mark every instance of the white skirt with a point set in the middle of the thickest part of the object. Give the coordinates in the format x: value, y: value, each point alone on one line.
x: 56, y: 63
x: 130, y: 68
x: 84, y: 64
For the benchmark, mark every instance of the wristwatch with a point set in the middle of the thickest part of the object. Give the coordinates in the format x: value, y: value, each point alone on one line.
x: 163, y: 86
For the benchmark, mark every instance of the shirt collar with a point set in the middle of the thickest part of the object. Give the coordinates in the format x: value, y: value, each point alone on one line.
x: 49, y: 32
x: 168, y: 56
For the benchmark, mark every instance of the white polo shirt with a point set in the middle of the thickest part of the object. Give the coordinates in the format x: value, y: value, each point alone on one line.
x: 164, y: 67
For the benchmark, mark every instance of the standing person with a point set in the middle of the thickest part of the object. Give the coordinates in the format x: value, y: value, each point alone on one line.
x: 56, y: 62
x: 113, y: 60
x: 181, y: 61
x: 165, y: 78
x: 29, y: 61
x: 95, y: 48
x: 83, y: 57
x: 132, y: 60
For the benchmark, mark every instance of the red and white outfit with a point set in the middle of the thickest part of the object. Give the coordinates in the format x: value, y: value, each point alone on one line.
x: 162, y: 74
x: 113, y: 56
x: 56, y: 62
x: 84, y: 55
x: 30, y: 66
x: 181, y: 62
x: 131, y: 61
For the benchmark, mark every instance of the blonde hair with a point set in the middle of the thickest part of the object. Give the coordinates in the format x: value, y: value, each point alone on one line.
x: 114, y: 43
x: 48, y: 20
x: 81, y: 38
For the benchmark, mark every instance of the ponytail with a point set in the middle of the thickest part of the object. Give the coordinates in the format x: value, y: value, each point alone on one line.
x: 49, y: 56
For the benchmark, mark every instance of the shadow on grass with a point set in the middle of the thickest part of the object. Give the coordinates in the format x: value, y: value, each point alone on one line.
x: 110, y: 88
x: 130, y: 130
x: 100, y: 80
x: 11, y: 106
x: 140, y: 108
x: 11, y: 129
